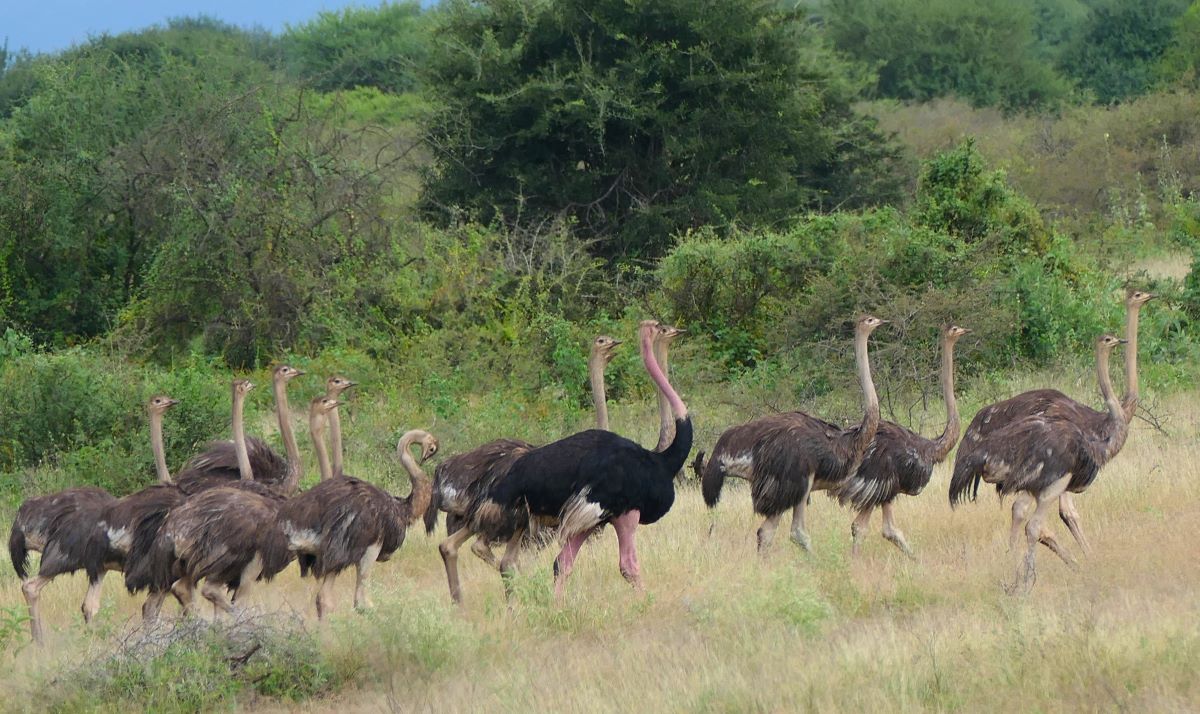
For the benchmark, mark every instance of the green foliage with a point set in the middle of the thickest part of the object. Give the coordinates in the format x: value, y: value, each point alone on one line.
x: 1116, y: 54
x: 982, y: 51
x: 638, y: 120
x: 1181, y: 60
x: 381, y: 47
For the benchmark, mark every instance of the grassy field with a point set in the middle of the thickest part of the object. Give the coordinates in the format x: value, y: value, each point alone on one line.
x: 721, y: 629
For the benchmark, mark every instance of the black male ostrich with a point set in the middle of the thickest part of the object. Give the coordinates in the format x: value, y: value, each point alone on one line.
x: 225, y: 535
x: 901, y: 461
x: 219, y: 459
x: 461, y: 483
x: 1045, y: 456
x: 87, y: 529
x: 787, y: 456
x: 596, y: 477
x: 343, y: 522
x: 1053, y: 403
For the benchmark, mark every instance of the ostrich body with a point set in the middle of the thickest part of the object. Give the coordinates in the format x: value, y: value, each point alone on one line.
x: 87, y: 529
x: 219, y: 459
x: 787, y: 456
x: 225, y: 536
x: 343, y: 522
x: 597, y: 477
x: 901, y: 461
x: 462, y: 482
x: 1045, y: 456
x: 334, y: 386
x: 1055, y: 404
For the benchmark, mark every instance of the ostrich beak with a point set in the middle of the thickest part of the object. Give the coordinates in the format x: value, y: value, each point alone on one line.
x: 172, y: 402
x: 1122, y: 340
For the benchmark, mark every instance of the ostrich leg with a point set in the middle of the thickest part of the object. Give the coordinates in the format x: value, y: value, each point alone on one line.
x: 858, y: 529
x: 508, y: 562
x: 626, y: 526
x: 799, y: 532
x: 449, y: 551
x: 766, y: 532
x: 1070, y: 516
x: 325, y: 596
x: 32, y: 590
x: 362, y: 569
x: 91, y: 601
x: 483, y: 551
x: 566, y: 561
x: 1026, y: 572
x: 1022, y: 502
x: 892, y: 533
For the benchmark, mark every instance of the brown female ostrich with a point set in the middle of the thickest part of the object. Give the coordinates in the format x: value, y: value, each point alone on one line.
x: 787, y: 456
x: 220, y: 460
x: 1045, y: 456
x: 1053, y: 403
x: 334, y: 386
x: 346, y: 521
x: 901, y: 461
x: 70, y: 530
x: 592, y: 478
x: 225, y: 536
x: 461, y: 483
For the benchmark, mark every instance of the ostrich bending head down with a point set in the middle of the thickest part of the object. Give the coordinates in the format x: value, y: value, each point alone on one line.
x: 596, y: 477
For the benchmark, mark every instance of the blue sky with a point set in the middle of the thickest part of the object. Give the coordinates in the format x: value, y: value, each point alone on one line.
x: 51, y: 25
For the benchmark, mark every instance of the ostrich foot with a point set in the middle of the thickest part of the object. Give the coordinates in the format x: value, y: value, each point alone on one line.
x: 802, y: 539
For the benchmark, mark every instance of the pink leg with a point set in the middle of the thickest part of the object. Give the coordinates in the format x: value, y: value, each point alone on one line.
x: 566, y: 560
x: 626, y: 526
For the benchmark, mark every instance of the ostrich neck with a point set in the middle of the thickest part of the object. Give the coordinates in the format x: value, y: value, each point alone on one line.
x: 316, y: 424
x: 1117, y: 427
x: 1130, y: 403
x: 949, y: 436
x: 596, y: 377
x: 666, y: 422
x: 156, y: 443
x: 335, y: 441
x: 870, y: 421
x: 294, y: 468
x: 239, y: 438
x: 678, y: 408
x: 422, y: 489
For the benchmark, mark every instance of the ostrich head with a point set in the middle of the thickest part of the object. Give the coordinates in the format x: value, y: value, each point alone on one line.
x: 322, y: 405
x: 667, y: 333
x: 1105, y: 343
x: 428, y: 442
x: 1137, y: 298
x: 242, y: 387
x: 286, y: 373
x: 953, y: 332
x: 604, y: 347
x: 867, y: 324
x: 160, y: 404
x: 337, y: 384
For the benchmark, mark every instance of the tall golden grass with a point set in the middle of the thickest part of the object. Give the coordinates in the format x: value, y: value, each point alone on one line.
x: 721, y: 629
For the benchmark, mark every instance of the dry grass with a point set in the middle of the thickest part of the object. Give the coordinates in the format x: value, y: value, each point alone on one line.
x: 723, y: 630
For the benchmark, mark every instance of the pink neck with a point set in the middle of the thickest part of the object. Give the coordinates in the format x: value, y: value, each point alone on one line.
x: 660, y: 380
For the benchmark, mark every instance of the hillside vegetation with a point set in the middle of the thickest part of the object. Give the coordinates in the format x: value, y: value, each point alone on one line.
x: 447, y: 205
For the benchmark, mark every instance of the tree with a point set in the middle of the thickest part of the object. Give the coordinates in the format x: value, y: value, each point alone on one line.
x: 982, y: 51
x: 636, y: 119
x: 1181, y: 61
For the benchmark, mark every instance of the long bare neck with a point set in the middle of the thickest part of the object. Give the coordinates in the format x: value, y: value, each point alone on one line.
x: 316, y: 425
x: 239, y: 438
x: 666, y: 421
x: 422, y: 488
x: 160, y: 452
x: 949, y: 436
x: 870, y: 421
x: 1130, y: 404
x: 335, y: 439
x: 599, y: 400
x: 1117, y: 428
x: 295, y: 469
x: 678, y: 408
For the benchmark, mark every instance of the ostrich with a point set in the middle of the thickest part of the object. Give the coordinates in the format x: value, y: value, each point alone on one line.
x: 595, y: 477
x: 901, y: 461
x: 225, y: 536
x: 346, y: 521
x: 334, y: 386
x: 220, y: 460
x: 787, y: 456
x: 666, y: 421
x: 1053, y: 403
x: 68, y: 528
x: 1045, y: 456
x: 461, y: 483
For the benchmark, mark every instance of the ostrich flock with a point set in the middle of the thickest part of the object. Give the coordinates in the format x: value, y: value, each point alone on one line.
x: 233, y: 514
